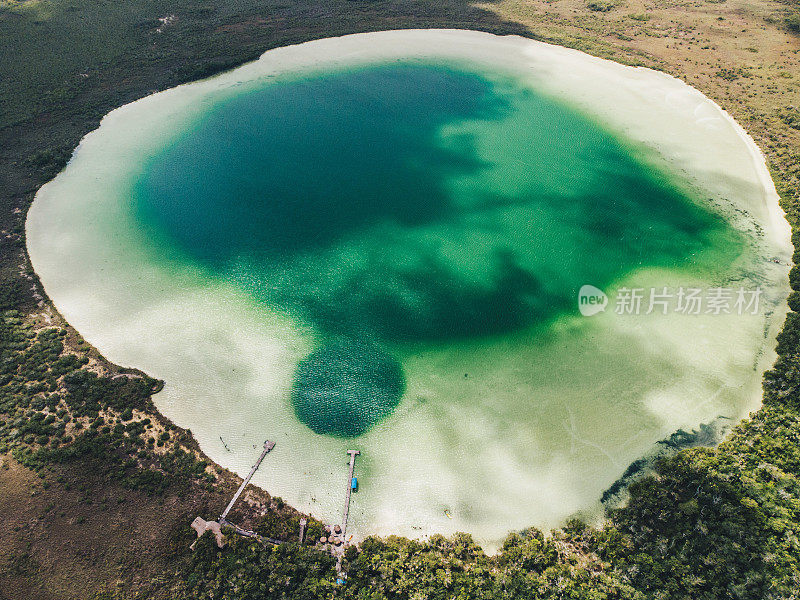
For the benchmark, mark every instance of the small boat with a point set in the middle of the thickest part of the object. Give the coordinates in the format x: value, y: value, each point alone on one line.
x: 354, y: 484
x: 447, y: 514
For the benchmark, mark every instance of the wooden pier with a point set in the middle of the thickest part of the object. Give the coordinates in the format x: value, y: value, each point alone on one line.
x: 201, y: 526
x: 267, y: 447
x: 303, y: 523
x: 353, y: 454
x: 336, y: 548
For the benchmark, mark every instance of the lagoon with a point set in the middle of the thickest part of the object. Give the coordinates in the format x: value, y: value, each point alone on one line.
x: 378, y: 242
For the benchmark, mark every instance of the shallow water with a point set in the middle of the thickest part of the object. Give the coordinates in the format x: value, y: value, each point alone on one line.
x: 387, y: 256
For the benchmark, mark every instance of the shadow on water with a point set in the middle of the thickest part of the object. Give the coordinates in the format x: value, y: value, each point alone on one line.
x: 297, y: 167
x: 306, y: 178
x: 336, y: 198
x: 433, y: 301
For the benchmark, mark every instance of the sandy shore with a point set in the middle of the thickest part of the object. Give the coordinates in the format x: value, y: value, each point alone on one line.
x: 222, y: 355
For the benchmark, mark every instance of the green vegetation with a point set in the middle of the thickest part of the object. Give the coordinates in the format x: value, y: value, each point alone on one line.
x: 249, y: 570
x: 733, y: 74
x: 790, y: 15
x: 600, y: 5
x: 791, y: 116
x: 54, y: 411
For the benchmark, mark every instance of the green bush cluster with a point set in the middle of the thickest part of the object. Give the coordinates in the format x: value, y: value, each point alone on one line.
x: 600, y: 5
x: 248, y: 569
x: 790, y: 114
x: 44, y: 389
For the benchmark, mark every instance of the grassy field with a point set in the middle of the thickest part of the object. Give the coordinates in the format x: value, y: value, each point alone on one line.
x: 71, y: 530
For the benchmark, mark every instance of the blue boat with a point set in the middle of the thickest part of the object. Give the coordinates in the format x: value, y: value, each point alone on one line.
x: 354, y: 484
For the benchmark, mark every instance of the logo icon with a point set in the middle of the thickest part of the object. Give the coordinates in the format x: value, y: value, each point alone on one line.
x: 591, y: 300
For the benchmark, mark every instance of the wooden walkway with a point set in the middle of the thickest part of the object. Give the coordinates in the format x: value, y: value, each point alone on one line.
x: 267, y: 447
x: 250, y: 534
x: 353, y: 454
x: 201, y: 525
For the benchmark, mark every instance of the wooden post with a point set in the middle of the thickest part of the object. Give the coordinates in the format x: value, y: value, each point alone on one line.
x: 303, y: 523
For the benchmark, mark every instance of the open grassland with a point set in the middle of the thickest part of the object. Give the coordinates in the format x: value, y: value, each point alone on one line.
x: 101, y: 509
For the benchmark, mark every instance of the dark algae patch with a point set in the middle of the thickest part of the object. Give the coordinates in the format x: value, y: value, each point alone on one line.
x: 346, y: 387
x: 300, y: 165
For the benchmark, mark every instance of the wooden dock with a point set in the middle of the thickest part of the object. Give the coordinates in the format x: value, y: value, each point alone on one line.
x: 353, y: 454
x: 267, y: 447
x: 200, y: 525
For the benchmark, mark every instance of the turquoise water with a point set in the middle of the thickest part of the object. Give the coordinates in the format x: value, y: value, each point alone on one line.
x: 373, y: 242
x: 395, y: 208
